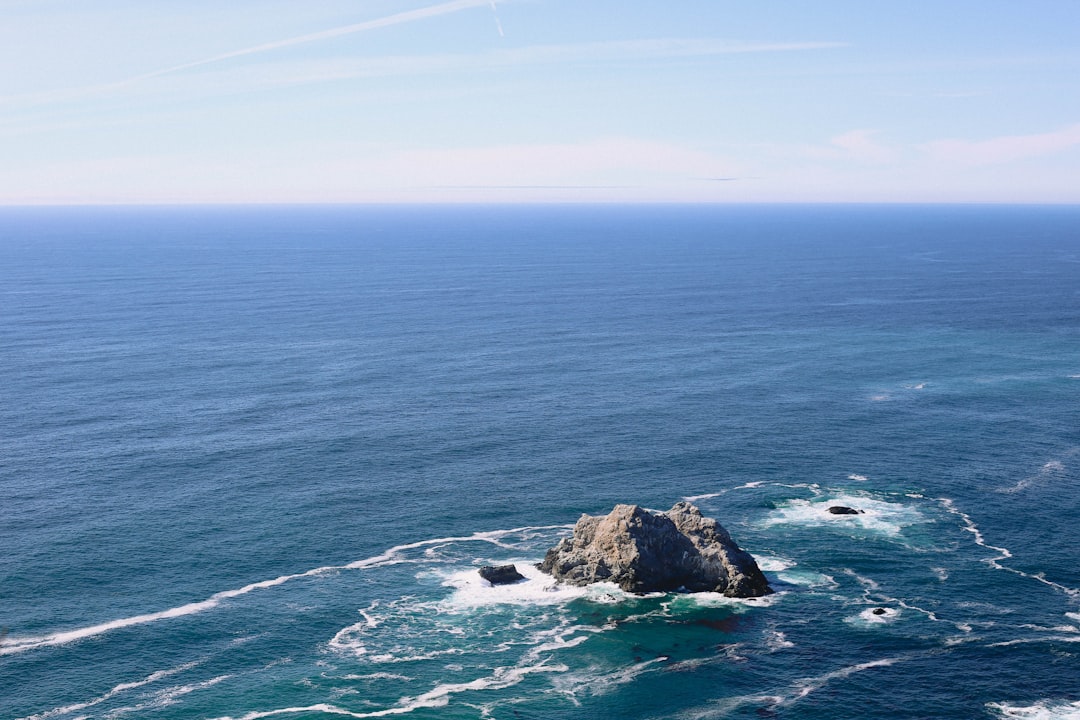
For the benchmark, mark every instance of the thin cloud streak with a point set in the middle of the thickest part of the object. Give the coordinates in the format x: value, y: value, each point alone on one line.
x: 300, y: 72
x: 388, y: 21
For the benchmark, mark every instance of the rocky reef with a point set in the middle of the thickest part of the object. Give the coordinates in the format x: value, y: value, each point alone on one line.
x: 646, y: 551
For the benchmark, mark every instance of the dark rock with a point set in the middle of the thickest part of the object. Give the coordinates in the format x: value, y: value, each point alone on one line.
x: 879, y: 611
x: 644, y: 551
x: 501, y: 574
x: 844, y: 510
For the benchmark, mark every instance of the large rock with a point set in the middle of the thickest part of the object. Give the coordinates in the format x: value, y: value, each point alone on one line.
x: 501, y: 574
x: 644, y: 551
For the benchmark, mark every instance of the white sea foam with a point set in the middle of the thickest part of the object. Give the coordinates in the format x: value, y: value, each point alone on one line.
x: 1047, y: 472
x: 472, y: 591
x: 776, y: 641
x: 709, y: 496
x: 167, y: 696
x: 711, y: 599
x: 439, y: 696
x: 1002, y: 553
x: 784, y: 571
x: 768, y: 704
x: 119, y: 689
x: 858, y: 478
x: 806, y: 578
x: 599, y: 681
x: 877, y: 516
x: 1043, y: 710
x: 809, y: 685
x: 772, y: 563
x: 393, y: 556
x: 870, y: 617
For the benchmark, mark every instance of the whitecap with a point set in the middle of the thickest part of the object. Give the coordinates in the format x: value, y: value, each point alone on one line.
x: 857, y: 477
x: 1042, y: 710
x: 776, y: 641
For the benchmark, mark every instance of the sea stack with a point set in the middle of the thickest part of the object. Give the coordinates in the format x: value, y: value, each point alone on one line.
x: 646, y: 551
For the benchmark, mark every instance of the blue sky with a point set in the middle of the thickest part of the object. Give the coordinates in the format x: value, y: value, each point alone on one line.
x: 155, y: 101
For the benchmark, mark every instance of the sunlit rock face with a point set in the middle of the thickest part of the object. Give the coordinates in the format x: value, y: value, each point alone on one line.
x: 645, y: 551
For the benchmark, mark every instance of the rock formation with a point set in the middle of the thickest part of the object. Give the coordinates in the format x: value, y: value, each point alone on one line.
x: 501, y: 574
x: 844, y: 510
x: 644, y: 551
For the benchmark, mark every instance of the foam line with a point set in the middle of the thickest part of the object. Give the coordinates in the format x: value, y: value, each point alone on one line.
x: 439, y: 696
x: 389, y: 557
x: 1043, y: 710
x: 1003, y: 553
x: 167, y: 696
x: 769, y: 703
x: 709, y: 496
x: 871, y: 588
x: 121, y: 688
x: 809, y: 685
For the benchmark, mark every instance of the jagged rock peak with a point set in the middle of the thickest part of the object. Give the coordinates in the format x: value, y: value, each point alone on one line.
x: 646, y: 551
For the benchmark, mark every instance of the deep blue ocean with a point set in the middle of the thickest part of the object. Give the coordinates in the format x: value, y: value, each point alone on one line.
x: 251, y: 458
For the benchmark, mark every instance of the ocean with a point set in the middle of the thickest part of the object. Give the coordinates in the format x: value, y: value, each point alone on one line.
x: 252, y: 457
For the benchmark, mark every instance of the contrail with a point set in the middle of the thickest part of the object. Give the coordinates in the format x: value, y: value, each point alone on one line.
x: 396, y: 19
x: 498, y: 23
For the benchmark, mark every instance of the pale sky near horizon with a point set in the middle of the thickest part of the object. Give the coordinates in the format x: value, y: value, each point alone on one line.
x: 539, y: 101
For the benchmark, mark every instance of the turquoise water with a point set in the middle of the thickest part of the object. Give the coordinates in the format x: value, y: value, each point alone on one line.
x: 251, y: 459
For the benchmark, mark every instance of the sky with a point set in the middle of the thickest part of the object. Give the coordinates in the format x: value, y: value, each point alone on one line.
x: 361, y: 101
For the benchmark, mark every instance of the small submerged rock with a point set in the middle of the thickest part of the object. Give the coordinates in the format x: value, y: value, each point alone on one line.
x: 844, y: 510
x: 644, y: 551
x: 501, y: 574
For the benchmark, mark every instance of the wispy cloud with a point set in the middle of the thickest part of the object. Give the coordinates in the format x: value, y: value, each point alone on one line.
x: 861, y: 145
x: 270, y: 73
x: 388, y: 21
x: 1003, y: 149
x: 375, y: 24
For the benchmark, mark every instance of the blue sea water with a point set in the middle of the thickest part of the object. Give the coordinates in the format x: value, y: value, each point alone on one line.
x: 250, y: 459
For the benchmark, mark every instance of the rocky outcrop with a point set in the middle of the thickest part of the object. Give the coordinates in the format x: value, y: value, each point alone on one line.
x: 501, y: 574
x: 644, y: 551
x: 844, y: 510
